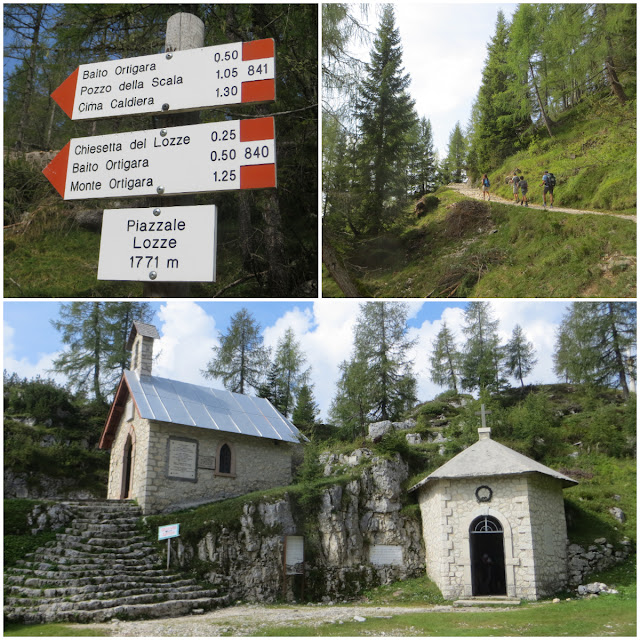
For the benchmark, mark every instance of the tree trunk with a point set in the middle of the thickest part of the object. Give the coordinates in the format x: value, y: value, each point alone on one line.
x: 618, y: 353
x: 336, y: 268
x: 244, y: 223
x: 545, y: 117
x: 31, y: 71
x: 278, y: 275
x: 612, y: 75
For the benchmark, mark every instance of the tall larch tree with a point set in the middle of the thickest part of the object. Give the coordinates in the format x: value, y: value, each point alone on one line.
x: 519, y: 355
x: 386, y: 115
x: 456, y: 161
x: 482, y: 352
x: 241, y: 360
x: 445, y: 359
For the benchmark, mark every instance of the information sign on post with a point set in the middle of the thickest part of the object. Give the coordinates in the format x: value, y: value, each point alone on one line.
x: 170, y: 244
x: 218, y: 156
x: 240, y: 72
x: 167, y: 532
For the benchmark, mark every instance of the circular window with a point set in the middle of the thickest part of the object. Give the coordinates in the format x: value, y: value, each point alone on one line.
x: 484, y: 493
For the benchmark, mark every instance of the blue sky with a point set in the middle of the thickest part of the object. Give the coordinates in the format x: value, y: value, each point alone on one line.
x: 324, y: 329
x: 444, y: 48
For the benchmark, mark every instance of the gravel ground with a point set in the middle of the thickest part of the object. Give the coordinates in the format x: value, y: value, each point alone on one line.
x: 470, y: 192
x: 246, y: 620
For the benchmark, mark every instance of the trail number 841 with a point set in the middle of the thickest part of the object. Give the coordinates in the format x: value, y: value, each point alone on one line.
x: 256, y: 152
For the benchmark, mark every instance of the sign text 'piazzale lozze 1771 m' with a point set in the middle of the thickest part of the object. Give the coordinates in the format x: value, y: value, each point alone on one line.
x: 167, y: 243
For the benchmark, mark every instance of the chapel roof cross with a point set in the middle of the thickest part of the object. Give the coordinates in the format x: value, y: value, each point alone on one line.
x: 483, y: 413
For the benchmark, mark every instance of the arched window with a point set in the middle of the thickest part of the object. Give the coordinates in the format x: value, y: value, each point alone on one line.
x: 224, y: 463
x: 486, y: 524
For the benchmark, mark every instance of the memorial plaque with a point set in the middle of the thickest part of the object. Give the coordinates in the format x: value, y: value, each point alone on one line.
x: 182, y: 454
x: 206, y: 462
x: 294, y: 558
x: 385, y: 554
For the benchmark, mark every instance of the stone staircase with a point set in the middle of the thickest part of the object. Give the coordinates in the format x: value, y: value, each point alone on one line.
x: 100, y: 569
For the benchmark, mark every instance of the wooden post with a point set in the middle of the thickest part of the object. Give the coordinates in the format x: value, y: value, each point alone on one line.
x: 184, y: 31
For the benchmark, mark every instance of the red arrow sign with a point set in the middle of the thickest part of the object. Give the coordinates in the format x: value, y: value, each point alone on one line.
x: 241, y: 72
x: 216, y: 156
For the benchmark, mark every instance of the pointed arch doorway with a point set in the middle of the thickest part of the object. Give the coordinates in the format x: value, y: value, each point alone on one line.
x: 486, y: 540
x: 127, y: 466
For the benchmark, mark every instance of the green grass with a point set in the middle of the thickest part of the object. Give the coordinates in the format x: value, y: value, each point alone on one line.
x: 519, y: 253
x: 50, y: 630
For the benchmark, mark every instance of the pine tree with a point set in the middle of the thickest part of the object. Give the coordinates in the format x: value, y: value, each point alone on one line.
x: 596, y: 344
x: 482, y: 353
x: 351, y: 406
x: 519, y: 355
x: 289, y: 362
x: 241, y: 360
x: 456, y: 160
x: 96, y: 333
x: 305, y: 414
x: 445, y: 359
x: 386, y: 115
x: 425, y: 163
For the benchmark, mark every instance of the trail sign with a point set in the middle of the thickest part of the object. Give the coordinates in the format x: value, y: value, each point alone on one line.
x: 216, y: 156
x: 171, y: 244
x: 169, y: 531
x: 241, y: 72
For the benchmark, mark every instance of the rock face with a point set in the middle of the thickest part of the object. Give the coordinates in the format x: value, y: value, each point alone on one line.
x: 352, y: 522
x: 100, y: 569
x: 34, y: 487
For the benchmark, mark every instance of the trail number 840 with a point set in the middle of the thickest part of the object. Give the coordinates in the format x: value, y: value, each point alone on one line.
x: 256, y: 152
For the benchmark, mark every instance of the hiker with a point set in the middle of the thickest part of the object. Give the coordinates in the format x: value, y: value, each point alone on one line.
x: 514, y: 181
x: 548, y: 182
x: 485, y: 186
x: 524, y: 187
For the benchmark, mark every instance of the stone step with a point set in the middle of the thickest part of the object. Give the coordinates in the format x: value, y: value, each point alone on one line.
x: 115, y: 598
x: 47, y: 579
x: 484, y: 601
x: 116, y: 586
x: 98, y: 520
x: 171, y: 608
x: 103, y: 529
x: 90, y: 538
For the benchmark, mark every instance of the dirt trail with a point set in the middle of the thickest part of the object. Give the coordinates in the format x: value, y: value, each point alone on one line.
x: 470, y: 192
x: 248, y: 620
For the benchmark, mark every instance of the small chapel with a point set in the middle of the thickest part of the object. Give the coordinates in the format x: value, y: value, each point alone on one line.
x: 493, y: 524
x: 175, y: 445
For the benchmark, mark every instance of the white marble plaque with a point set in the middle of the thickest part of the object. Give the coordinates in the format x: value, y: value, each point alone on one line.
x: 294, y: 558
x: 182, y: 457
x: 385, y: 554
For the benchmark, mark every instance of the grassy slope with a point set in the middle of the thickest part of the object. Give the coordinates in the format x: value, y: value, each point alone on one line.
x: 531, y: 253
x: 592, y: 155
x: 519, y: 253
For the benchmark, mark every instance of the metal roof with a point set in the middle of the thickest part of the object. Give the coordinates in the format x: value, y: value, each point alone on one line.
x: 197, y: 406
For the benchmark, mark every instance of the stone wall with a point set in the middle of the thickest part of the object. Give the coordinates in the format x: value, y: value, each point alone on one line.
x: 449, y: 507
x: 596, y: 557
x: 258, y: 463
x: 351, y: 520
x: 549, y: 526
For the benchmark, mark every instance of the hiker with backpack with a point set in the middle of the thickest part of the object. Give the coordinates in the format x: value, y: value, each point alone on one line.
x: 485, y: 186
x: 524, y: 187
x: 514, y: 181
x: 548, y: 182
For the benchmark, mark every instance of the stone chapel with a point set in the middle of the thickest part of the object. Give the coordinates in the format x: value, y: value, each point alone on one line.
x: 175, y: 445
x: 493, y: 523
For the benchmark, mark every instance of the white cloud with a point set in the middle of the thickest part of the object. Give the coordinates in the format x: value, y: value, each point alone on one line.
x: 188, y: 334
x: 23, y: 366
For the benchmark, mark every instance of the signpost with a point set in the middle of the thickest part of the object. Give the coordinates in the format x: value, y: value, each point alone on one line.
x: 167, y: 532
x: 172, y: 244
x: 240, y: 72
x: 166, y: 243
x: 218, y: 156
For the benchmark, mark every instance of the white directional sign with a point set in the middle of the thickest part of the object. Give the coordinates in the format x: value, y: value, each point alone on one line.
x: 170, y: 244
x: 241, y: 72
x: 219, y: 156
x: 168, y: 531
